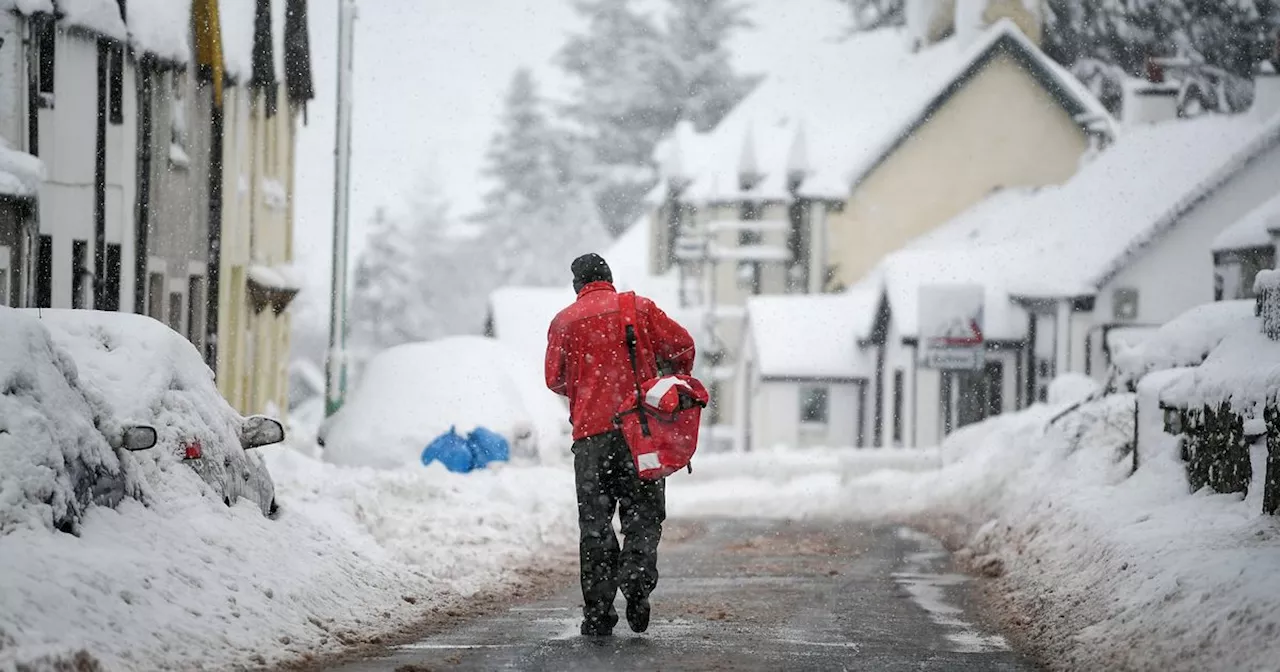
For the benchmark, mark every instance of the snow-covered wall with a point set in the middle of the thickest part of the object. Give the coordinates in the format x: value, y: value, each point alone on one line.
x: 776, y: 416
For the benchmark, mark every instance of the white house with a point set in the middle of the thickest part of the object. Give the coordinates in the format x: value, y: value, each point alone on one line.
x: 802, y: 379
x: 846, y: 152
x: 21, y: 174
x: 82, y: 124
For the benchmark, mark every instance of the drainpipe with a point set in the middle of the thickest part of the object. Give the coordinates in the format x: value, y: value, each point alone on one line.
x: 142, y: 230
x: 213, y: 279
x: 100, y: 185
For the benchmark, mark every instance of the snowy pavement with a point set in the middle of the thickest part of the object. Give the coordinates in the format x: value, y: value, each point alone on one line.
x: 354, y: 554
x: 750, y: 595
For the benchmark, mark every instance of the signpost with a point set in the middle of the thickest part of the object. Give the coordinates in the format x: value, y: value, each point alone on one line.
x: 336, y: 361
x: 951, y: 324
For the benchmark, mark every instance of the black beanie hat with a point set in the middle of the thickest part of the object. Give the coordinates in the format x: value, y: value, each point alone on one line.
x: 589, y: 268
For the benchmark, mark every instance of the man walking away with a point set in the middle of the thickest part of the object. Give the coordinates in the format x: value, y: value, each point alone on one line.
x: 588, y: 362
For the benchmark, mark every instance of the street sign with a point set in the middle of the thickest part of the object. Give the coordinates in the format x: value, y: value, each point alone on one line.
x: 951, y: 325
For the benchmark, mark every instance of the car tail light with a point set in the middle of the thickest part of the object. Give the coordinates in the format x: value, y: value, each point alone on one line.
x: 192, y: 450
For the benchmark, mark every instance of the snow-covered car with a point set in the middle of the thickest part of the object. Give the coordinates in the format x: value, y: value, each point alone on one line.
x: 148, y: 373
x: 413, y: 393
x: 58, y: 454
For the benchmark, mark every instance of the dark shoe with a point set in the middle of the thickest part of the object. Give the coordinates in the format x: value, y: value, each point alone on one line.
x: 638, y: 614
x: 596, y: 629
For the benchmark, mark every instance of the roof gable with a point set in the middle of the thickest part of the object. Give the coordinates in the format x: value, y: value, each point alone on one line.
x: 1003, y: 38
x: 1261, y: 141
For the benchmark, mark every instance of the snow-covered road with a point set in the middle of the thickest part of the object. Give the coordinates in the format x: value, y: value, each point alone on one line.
x: 749, y: 595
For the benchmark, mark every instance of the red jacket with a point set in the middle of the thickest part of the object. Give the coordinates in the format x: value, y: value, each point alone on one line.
x: 587, y: 359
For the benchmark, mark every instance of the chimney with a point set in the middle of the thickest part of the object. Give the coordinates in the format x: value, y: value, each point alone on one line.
x: 1266, y: 87
x: 971, y: 17
x: 1152, y: 100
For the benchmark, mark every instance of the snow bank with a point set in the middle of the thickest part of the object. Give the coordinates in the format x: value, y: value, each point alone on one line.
x: 410, y: 394
x: 354, y: 553
x: 1110, y: 570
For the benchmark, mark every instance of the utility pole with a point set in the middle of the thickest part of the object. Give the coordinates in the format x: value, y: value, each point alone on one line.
x: 336, y: 362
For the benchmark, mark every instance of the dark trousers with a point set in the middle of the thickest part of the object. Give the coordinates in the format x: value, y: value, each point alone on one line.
x: 607, y: 480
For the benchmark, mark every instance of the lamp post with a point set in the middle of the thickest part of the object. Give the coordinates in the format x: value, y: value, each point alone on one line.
x: 336, y: 361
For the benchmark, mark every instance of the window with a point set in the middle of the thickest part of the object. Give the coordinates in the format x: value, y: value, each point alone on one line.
x: 175, y: 311
x: 111, y: 300
x: 115, y: 94
x: 81, y: 276
x: 798, y: 246
x: 1250, y: 263
x: 1125, y: 303
x: 898, y: 384
x: 749, y: 271
x: 155, y: 296
x: 195, y: 311
x: 814, y: 405
x: 45, y: 38
x: 44, y: 273
x: 178, y: 155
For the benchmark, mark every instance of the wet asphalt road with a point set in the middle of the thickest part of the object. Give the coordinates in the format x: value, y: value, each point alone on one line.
x: 749, y: 595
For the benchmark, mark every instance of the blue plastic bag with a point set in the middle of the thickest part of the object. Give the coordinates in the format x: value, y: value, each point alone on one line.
x: 488, y: 446
x: 451, y: 450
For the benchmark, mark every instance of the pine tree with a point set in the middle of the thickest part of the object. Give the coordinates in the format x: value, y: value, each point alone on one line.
x: 383, y: 299
x: 876, y: 14
x: 633, y: 82
x: 699, y: 78
x: 525, y: 157
x: 537, y: 213
x: 1106, y: 40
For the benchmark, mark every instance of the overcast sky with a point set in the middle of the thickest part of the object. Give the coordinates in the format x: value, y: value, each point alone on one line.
x: 429, y: 81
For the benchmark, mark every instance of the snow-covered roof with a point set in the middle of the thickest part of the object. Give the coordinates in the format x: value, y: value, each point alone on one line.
x: 27, y: 7
x: 283, y: 277
x: 236, y: 18
x: 812, y: 336
x: 939, y: 71
x: 161, y: 27
x: 834, y: 110
x: 521, y: 316
x: 1253, y: 230
x: 98, y: 16
x: 1068, y: 240
x: 908, y: 270
x: 20, y: 172
x: 1185, y: 340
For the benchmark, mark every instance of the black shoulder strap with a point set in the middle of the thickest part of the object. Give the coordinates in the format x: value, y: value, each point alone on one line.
x: 630, y: 325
